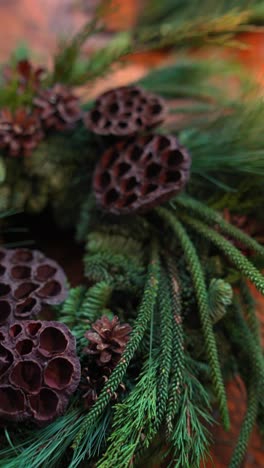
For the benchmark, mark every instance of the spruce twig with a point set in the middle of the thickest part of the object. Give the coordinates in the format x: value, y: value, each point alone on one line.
x: 139, y: 329
x: 202, y: 300
x: 241, y: 262
x: 178, y: 358
x: 166, y: 345
x: 216, y: 219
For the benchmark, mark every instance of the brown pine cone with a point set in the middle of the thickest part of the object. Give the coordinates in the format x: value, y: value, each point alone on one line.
x: 108, y: 339
x: 28, y: 280
x: 39, y: 371
x: 26, y: 74
x: 125, y: 111
x: 58, y: 108
x: 20, y: 132
x: 137, y: 175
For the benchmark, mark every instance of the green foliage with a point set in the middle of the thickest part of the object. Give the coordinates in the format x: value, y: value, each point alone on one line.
x: 189, y: 439
x: 140, y: 325
x: 133, y: 420
x: 243, y: 265
x: 166, y: 347
x: 220, y: 296
x: 83, y: 307
x: 202, y: 301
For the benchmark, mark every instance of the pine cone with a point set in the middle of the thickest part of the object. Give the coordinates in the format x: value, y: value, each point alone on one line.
x: 125, y: 111
x: 58, y: 108
x: 139, y: 174
x: 26, y: 75
x: 28, y: 279
x: 20, y: 132
x: 108, y: 339
x: 246, y: 224
x: 39, y: 371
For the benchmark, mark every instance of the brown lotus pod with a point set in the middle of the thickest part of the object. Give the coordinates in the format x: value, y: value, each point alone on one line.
x: 39, y: 371
x: 28, y: 279
x: 139, y: 174
x: 20, y: 132
x: 57, y: 107
x: 125, y: 111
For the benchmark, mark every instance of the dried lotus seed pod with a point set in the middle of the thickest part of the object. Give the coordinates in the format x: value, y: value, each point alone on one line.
x: 139, y: 174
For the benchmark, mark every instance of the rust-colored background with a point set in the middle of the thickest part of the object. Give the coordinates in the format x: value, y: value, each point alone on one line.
x: 39, y: 23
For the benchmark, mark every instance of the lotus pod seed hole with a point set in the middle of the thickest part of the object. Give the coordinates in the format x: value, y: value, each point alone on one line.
x: 44, y: 404
x: 45, y: 272
x: 25, y: 289
x: 52, y: 341
x: 58, y: 373
x: 24, y: 309
x: 22, y: 256
x: 27, y: 375
x: 33, y: 328
x: 50, y: 289
x: 11, y: 400
x: 21, y: 272
x: 4, y: 289
x: 24, y: 347
x: 15, y: 330
x: 5, y: 310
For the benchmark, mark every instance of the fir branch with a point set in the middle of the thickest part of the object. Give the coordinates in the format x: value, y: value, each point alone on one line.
x: 139, y: 329
x: 118, y: 270
x: 83, y: 307
x: 115, y: 243
x: 202, y: 300
x: 220, y: 296
x: 251, y: 365
x: 165, y: 308
x: 250, y: 309
x: 189, y: 440
x: 178, y: 357
x: 216, y: 219
x: 134, y: 420
x: 237, y: 259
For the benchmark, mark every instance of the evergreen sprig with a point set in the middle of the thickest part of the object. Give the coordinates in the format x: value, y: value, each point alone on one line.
x: 197, y: 275
x: 214, y: 218
x: 242, y: 264
x: 139, y: 329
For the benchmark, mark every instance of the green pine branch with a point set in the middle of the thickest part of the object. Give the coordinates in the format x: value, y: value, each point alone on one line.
x: 235, y: 257
x: 139, y: 329
x: 197, y: 275
x: 214, y: 218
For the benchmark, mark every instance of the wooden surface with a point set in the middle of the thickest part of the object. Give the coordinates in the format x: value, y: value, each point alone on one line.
x: 39, y: 23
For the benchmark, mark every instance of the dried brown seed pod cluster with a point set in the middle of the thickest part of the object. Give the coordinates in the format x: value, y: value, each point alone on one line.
x: 28, y: 279
x: 140, y: 173
x: 20, y: 132
x: 39, y: 371
x: 57, y: 107
x: 107, y: 342
x: 26, y: 74
x: 125, y: 111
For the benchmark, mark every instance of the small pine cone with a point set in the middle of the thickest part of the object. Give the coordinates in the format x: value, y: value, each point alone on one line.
x: 28, y: 279
x: 39, y: 371
x: 58, y: 108
x: 20, y: 132
x: 137, y: 175
x: 125, y: 111
x: 26, y: 74
x: 246, y: 224
x: 107, y: 341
